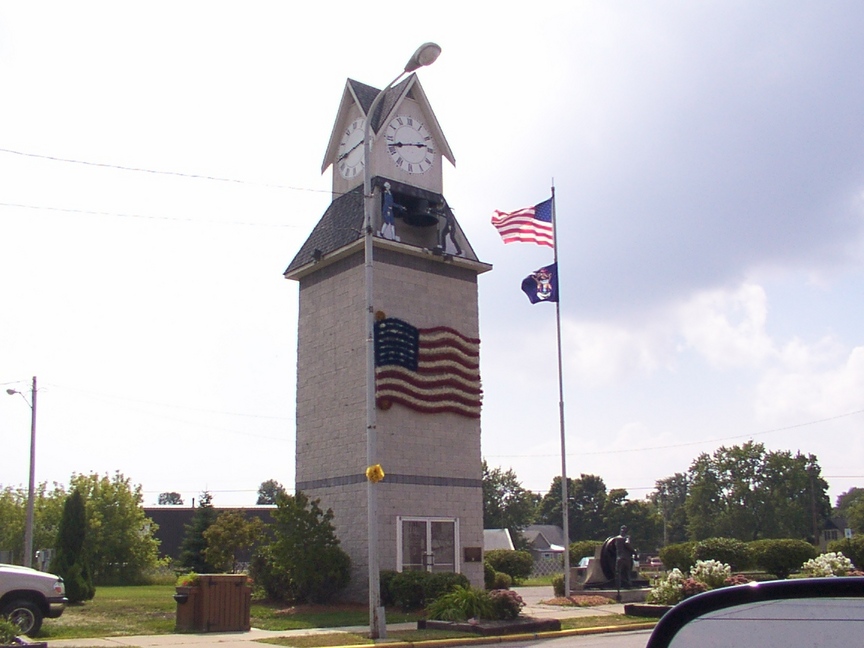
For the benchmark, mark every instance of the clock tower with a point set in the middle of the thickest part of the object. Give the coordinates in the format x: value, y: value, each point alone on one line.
x: 428, y: 394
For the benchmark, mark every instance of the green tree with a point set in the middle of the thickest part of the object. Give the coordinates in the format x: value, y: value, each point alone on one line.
x: 47, y: 509
x: 670, y: 498
x: 748, y: 493
x: 586, y: 514
x: 307, y: 550
x: 70, y: 561
x: 170, y: 499
x: 194, y: 546
x: 13, y: 513
x: 269, y: 492
x: 641, y: 518
x: 850, y: 505
x: 120, y: 546
x: 229, y: 535
x: 506, y: 504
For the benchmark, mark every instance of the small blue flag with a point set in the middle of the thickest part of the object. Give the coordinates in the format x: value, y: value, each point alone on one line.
x: 542, y: 285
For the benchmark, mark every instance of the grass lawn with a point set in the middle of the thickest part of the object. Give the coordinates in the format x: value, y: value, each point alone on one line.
x: 150, y: 610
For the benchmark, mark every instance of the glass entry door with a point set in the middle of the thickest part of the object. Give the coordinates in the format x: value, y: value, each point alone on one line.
x: 428, y: 544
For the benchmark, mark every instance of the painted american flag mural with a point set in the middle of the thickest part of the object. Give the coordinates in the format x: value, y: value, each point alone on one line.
x: 429, y: 370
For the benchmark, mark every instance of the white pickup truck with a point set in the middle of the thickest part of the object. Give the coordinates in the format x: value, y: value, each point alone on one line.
x: 27, y: 596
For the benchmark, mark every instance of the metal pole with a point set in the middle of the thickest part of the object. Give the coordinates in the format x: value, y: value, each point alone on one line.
x: 31, y: 493
x: 424, y: 55
x: 565, y: 491
x: 377, y: 623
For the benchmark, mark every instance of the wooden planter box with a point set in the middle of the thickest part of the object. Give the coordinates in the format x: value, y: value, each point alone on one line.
x: 217, y: 603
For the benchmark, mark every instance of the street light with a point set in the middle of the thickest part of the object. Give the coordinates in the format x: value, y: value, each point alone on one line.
x: 425, y: 55
x: 28, y: 528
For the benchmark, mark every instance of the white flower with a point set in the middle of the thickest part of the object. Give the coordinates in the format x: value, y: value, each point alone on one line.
x: 828, y: 564
x: 711, y: 572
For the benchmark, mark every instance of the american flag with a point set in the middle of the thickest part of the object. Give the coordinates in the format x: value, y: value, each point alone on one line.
x: 428, y: 370
x: 529, y: 225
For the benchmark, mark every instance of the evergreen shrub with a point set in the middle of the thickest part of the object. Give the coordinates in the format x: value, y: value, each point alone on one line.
x: 518, y: 564
x: 780, y: 557
x: 678, y: 556
x: 582, y: 548
x: 414, y: 590
x: 727, y: 550
x: 852, y: 548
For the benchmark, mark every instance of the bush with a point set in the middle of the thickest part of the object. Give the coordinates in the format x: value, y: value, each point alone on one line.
x: 8, y: 632
x: 413, y: 590
x: 852, y: 548
x: 306, y: 549
x: 442, y: 582
x: 461, y: 604
x: 502, y: 581
x: 706, y: 575
x: 272, y: 580
x: 558, y: 585
x: 488, y: 575
x: 506, y: 605
x: 384, y: 583
x: 780, y: 556
x: 582, y: 548
x: 711, y: 572
x: 830, y: 564
x: 727, y: 550
x: 670, y: 590
x: 677, y: 556
x: 518, y: 564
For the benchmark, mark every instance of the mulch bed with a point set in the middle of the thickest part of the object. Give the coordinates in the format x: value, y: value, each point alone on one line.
x: 579, y: 601
x: 519, y: 625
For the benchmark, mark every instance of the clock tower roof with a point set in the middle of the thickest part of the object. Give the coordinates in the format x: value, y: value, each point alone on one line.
x: 362, y: 95
x: 341, y: 228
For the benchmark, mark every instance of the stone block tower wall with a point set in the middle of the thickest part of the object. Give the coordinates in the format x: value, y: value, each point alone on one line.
x: 432, y: 461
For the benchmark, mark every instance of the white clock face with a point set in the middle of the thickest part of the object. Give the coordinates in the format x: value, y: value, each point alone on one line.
x: 410, y: 146
x: 349, y: 159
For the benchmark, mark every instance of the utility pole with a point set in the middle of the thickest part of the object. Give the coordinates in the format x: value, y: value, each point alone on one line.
x: 31, y: 492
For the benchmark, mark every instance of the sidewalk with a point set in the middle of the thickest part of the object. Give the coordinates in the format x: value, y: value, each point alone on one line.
x: 531, y: 595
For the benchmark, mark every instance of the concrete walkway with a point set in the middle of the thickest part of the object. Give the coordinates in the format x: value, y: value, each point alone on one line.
x: 533, y: 597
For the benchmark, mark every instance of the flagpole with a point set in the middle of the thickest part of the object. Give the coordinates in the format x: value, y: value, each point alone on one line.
x: 565, y: 499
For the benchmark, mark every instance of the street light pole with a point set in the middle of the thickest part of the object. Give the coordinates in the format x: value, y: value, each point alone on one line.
x: 424, y: 55
x: 31, y: 492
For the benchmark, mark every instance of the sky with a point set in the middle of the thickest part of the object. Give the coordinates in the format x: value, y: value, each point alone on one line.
x: 160, y: 165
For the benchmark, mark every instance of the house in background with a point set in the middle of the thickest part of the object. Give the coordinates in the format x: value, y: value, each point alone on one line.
x: 836, y: 528
x: 546, y: 541
x: 497, y: 539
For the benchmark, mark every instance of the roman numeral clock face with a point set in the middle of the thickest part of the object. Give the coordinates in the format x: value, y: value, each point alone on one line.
x: 350, y: 155
x: 410, y: 146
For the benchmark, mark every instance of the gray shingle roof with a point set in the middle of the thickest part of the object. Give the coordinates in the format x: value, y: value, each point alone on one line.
x: 341, y: 225
x: 366, y: 95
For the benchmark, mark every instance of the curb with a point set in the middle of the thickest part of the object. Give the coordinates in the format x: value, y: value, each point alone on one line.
x: 527, y: 636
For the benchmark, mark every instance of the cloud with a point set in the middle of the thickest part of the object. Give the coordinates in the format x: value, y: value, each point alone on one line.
x: 727, y: 327
x: 809, y: 387
x: 719, y: 144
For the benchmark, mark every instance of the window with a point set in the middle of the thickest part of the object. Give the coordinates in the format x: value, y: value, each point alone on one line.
x: 427, y: 544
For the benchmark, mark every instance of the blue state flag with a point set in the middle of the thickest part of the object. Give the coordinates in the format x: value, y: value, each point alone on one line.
x: 542, y: 285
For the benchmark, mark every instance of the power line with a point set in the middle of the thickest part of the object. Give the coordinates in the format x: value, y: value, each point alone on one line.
x: 169, y: 405
x: 196, y: 176
x: 143, y: 216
